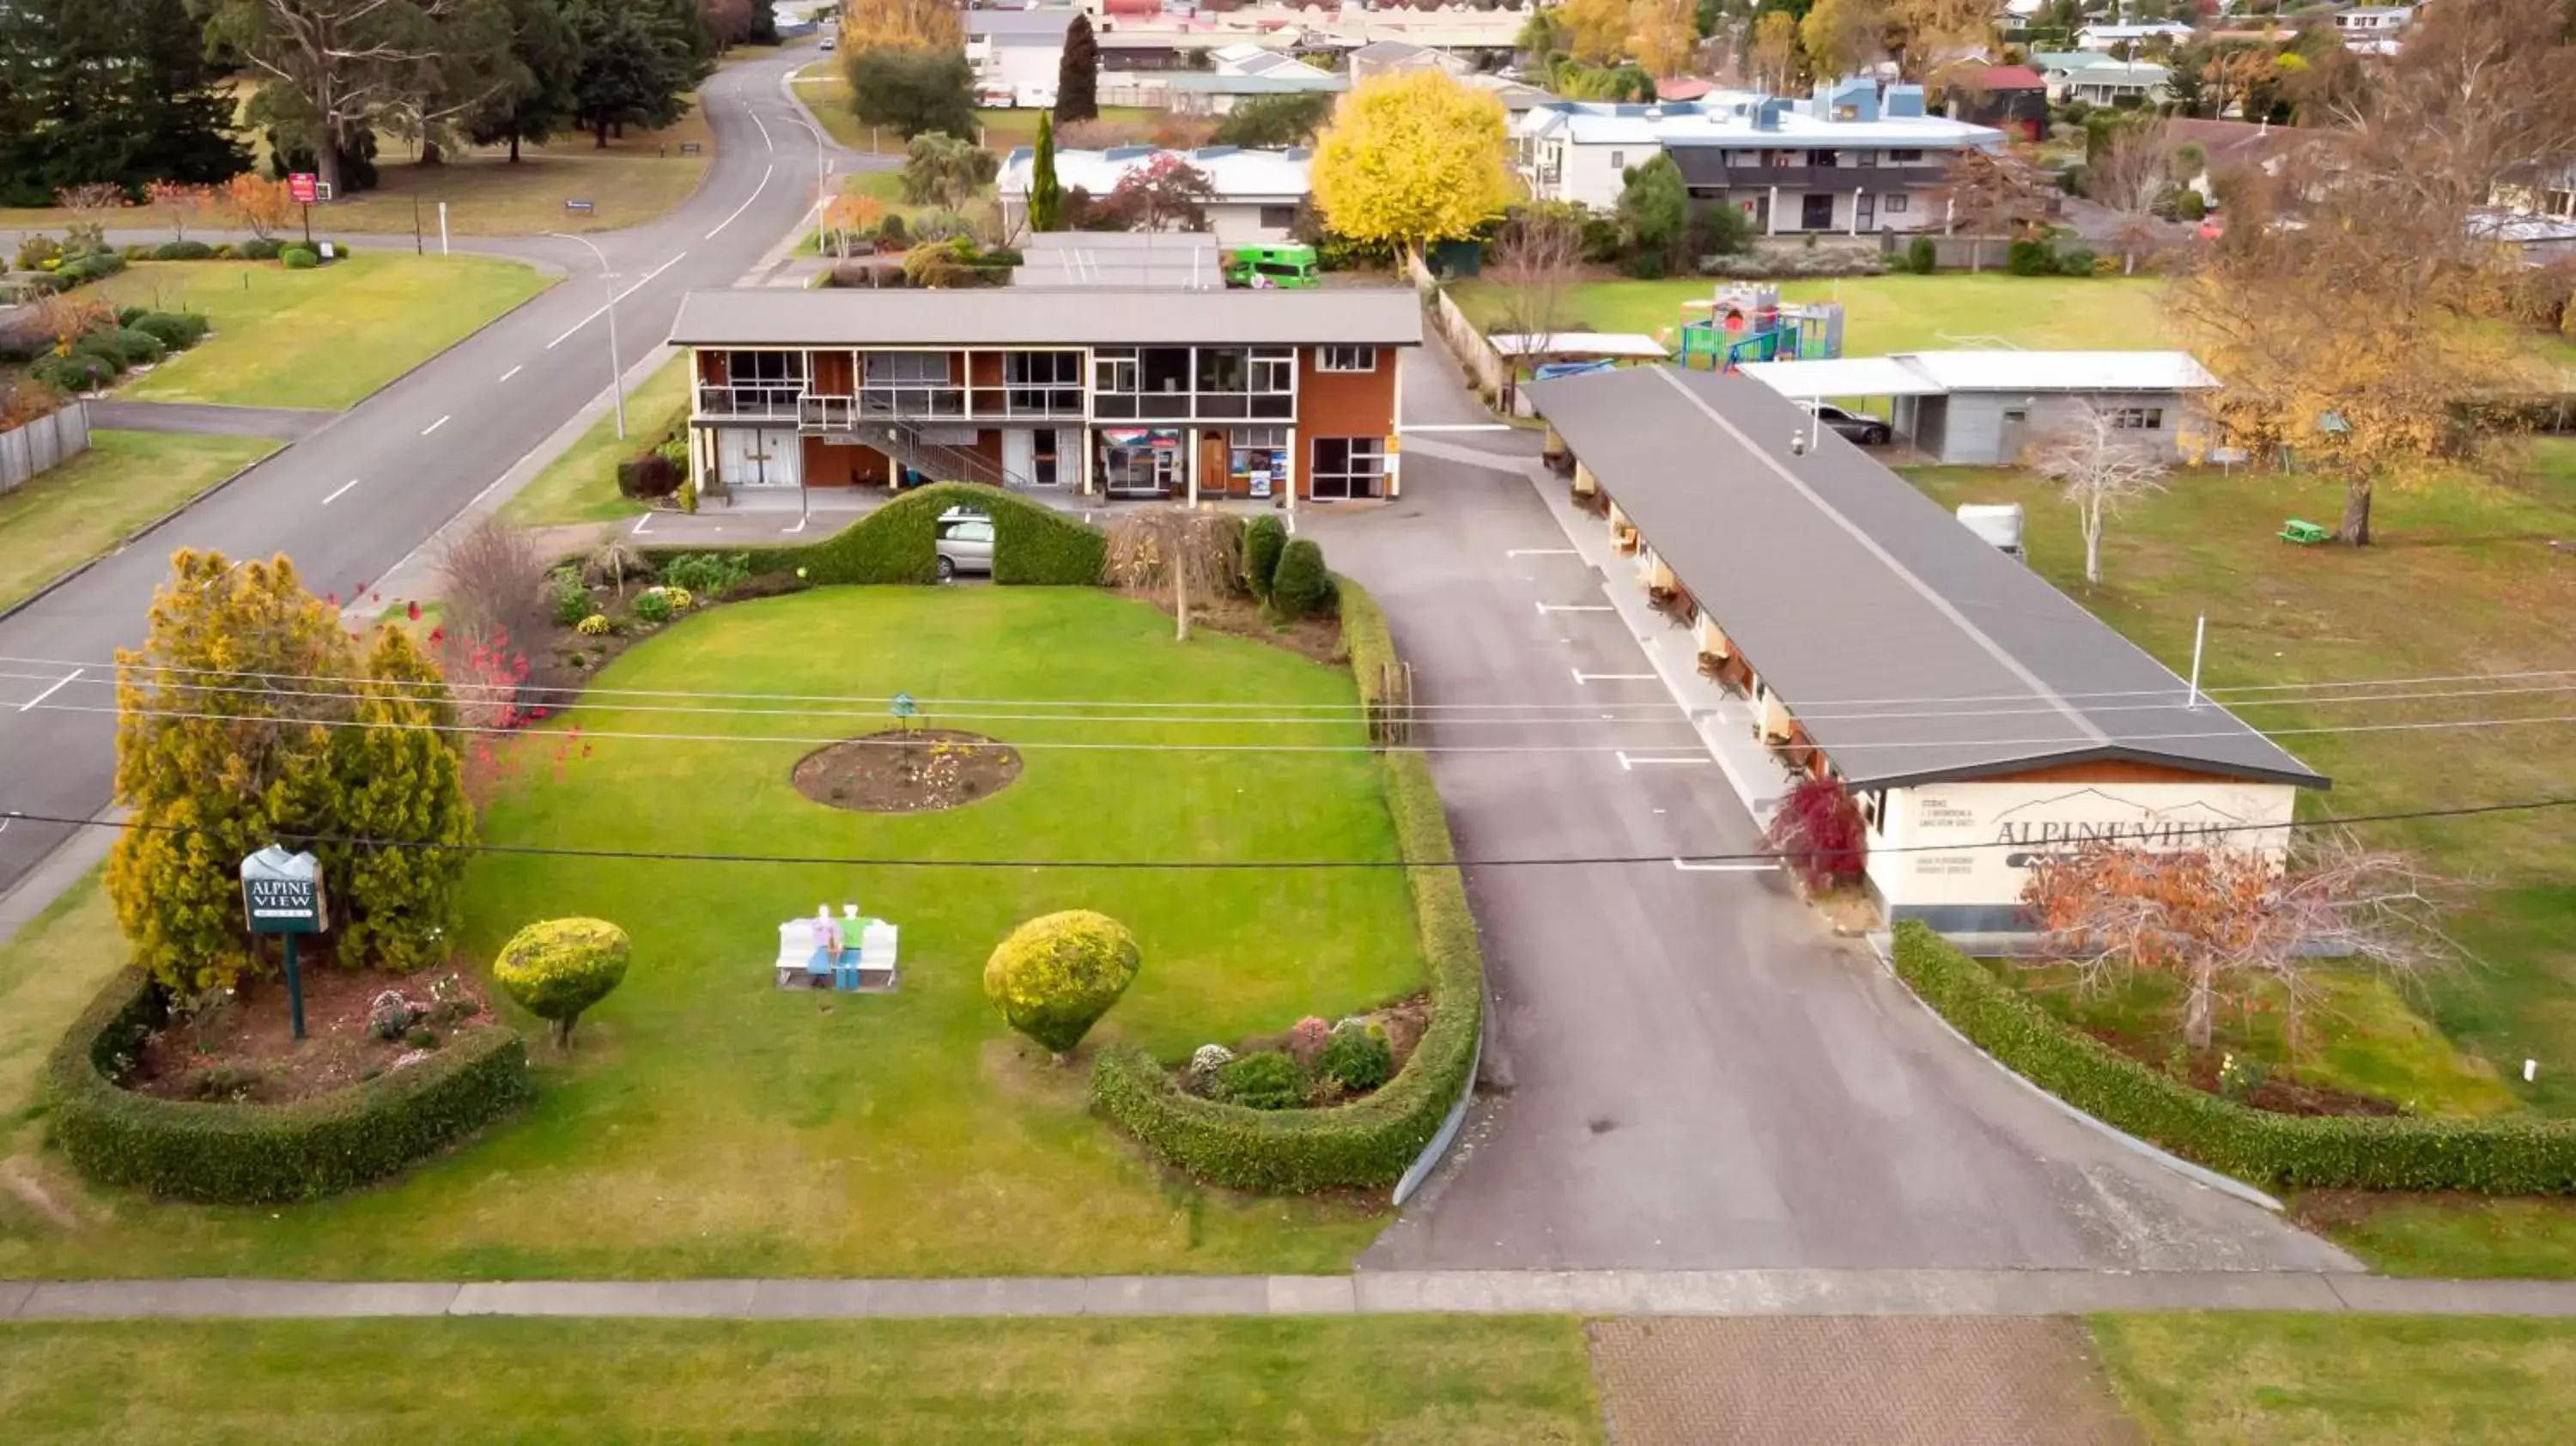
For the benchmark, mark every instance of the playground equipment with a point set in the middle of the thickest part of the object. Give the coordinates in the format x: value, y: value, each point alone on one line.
x: 1750, y: 323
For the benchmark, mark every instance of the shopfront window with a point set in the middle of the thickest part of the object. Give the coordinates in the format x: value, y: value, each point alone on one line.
x: 1347, y: 467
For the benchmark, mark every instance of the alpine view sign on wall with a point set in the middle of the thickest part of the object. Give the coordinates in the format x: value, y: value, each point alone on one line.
x: 2002, y: 829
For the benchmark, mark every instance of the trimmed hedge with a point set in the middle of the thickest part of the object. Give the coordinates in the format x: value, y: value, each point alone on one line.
x: 1370, y: 1142
x: 1033, y: 544
x: 2514, y: 1156
x: 245, y: 1154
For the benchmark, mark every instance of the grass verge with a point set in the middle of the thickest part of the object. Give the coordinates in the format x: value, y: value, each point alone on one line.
x: 325, y: 338
x: 1889, y: 313
x: 1462, y: 1381
x: 581, y: 485
x: 2454, y: 1237
x: 86, y: 506
x: 2200, y: 1380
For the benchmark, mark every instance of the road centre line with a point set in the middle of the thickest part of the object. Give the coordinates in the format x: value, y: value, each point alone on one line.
x: 512, y: 372
x: 621, y: 296
x: 335, y: 492
x: 434, y: 426
x: 765, y: 143
x: 59, y: 684
x: 746, y: 205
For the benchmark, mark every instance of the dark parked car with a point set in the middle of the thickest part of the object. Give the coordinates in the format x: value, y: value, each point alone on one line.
x: 1856, y: 427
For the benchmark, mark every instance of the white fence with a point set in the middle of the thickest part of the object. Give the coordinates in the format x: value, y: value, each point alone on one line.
x: 43, y: 443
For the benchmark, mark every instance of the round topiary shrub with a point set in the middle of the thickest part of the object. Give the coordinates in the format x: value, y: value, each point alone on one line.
x: 182, y: 251
x: 1264, y: 538
x: 176, y: 331
x: 1057, y: 974
x: 1357, y: 1058
x: 263, y: 249
x: 74, y: 374
x: 137, y: 348
x: 1264, y: 1081
x: 101, y: 346
x: 296, y: 258
x: 1302, y: 587
x: 561, y: 967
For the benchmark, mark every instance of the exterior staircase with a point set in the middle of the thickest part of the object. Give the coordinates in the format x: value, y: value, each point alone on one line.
x: 905, y: 443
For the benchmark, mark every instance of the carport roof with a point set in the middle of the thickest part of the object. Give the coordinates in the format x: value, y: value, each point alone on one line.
x: 1850, y: 376
x: 1909, y: 649
x: 1936, y: 373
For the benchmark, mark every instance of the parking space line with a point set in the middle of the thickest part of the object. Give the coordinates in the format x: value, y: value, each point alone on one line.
x: 1582, y: 677
x: 60, y: 684
x: 1633, y: 764
x: 1540, y: 552
x: 1575, y: 608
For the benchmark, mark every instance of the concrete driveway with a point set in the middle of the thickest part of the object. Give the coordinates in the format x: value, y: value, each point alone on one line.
x: 1698, y: 1074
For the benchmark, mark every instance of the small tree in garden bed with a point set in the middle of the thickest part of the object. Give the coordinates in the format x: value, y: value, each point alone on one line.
x: 1819, y: 834
x: 558, y: 969
x: 2234, y: 923
x: 1194, y: 551
x: 1057, y: 974
x: 401, y: 786
x: 1302, y: 586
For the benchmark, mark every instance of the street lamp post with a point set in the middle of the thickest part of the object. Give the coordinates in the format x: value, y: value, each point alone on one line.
x: 616, y: 370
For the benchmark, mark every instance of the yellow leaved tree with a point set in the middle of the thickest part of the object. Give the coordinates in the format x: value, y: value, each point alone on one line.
x: 1410, y: 159
x: 901, y: 25
x: 1662, y: 36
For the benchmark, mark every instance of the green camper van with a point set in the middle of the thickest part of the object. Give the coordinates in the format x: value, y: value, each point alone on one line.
x: 1286, y: 268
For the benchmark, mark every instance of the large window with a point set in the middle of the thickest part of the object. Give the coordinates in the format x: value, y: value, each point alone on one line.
x: 758, y: 384
x: 1348, y: 467
x: 746, y: 368
x: 1278, y: 218
x: 2139, y: 419
x: 913, y: 367
x: 908, y: 384
x: 1346, y: 359
x: 1040, y: 383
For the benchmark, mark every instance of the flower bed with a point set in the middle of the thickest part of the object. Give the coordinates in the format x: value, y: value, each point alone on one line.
x: 232, y: 1153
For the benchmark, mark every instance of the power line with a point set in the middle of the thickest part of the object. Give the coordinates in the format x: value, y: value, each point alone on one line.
x: 1256, y: 865
x: 1806, y: 707
x: 1097, y: 746
x: 1588, y: 715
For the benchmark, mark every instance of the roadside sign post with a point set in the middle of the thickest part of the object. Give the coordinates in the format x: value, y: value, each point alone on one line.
x: 282, y: 894
x: 306, y: 188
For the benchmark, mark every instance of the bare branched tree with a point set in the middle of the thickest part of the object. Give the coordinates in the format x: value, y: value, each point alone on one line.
x: 2100, y: 457
x: 2237, y: 925
x: 2135, y: 170
x: 1193, y: 551
x: 1534, y: 266
x: 1988, y: 194
x: 493, y: 577
x: 347, y: 62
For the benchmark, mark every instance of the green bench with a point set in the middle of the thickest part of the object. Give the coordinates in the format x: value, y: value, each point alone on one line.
x: 2306, y: 534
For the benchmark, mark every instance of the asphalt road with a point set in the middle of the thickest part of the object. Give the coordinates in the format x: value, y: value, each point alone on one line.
x: 1696, y: 1074
x: 361, y: 493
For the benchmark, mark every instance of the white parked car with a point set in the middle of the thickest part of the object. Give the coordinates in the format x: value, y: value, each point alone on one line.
x: 965, y: 543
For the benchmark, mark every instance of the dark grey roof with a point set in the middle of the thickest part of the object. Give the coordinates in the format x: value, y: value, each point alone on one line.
x: 1908, y: 648
x: 1047, y: 316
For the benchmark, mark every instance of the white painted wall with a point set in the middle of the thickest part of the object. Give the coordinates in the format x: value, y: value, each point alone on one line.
x: 2021, y: 819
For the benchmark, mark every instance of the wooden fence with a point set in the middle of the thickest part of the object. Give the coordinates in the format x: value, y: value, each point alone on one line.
x: 45, y: 442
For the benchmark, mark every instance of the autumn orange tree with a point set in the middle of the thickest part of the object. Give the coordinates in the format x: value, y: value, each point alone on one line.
x: 262, y: 206
x: 2238, y: 926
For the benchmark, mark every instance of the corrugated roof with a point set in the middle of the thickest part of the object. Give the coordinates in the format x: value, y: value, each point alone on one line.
x: 2000, y: 370
x: 1934, y: 373
x: 1233, y: 173
x: 1134, y: 260
x: 1909, y: 649
x: 1046, y: 24
x: 1038, y: 316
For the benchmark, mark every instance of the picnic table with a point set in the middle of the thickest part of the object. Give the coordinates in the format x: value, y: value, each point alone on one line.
x: 2305, y: 534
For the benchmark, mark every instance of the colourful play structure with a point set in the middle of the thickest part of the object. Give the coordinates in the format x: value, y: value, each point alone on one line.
x: 1750, y: 323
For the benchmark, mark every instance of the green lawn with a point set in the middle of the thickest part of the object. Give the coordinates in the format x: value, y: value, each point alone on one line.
x: 709, y: 1124
x: 1892, y: 313
x: 1454, y: 1380
x: 824, y: 88
x: 2449, y: 1236
x: 640, y: 177
x: 88, y: 505
x: 581, y: 485
x: 325, y: 338
x: 2285, y: 1380
x: 2464, y: 582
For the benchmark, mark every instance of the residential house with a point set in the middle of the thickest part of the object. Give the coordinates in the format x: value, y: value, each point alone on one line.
x: 2100, y: 80
x: 1018, y: 51
x: 1389, y: 57
x: 1985, y: 408
x: 2011, y: 98
x: 1239, y: 73
x: 1256, y: 192
x: 2229, y: 147
x: 1811, y: 578
x: 2373, y: 29
x: 1846, y: 159
x: 2105, y: 37
x: 1154, y: 390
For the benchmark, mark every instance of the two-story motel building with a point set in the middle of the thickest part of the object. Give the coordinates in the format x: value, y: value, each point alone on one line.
x: 1107, y: 391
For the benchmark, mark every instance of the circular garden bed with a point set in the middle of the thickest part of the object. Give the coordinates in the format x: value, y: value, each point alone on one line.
x: 910, y: 770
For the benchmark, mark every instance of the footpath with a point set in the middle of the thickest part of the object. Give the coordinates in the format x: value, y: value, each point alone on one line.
x: 1738, y: 1293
